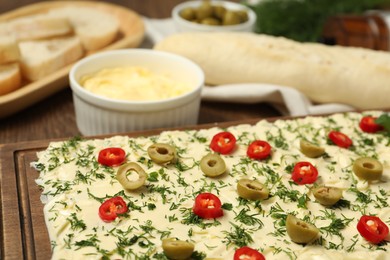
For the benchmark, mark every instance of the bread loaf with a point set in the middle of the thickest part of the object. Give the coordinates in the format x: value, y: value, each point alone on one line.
x: 9, y: 49
x: 40, y: 58
x: 96, y: 29
x: 353, y: 76
x: 34, y: 27
x: 10, y: 78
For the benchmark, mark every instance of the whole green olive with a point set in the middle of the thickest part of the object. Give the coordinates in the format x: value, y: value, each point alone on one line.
x: 243, y: 15
x: 210, y: 21
x: 212, y: 165
x: 231, y: 18
x: 209, y: 13
x: 252, y: 190
x: 162, y: 153
x: 300, y: 231
x: 219, y: 11
x: 177, y: 249
x: 367, y: 168
x: 327, y: 196
x: 311, y: 150
x: 131, y: 176
x: 188, y: 14
x: 204, y: 10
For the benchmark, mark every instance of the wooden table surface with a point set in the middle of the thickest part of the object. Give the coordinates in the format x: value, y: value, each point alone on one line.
x: 54, y: 117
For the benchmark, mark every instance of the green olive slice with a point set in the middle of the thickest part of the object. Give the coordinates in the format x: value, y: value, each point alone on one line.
x: 252, y: 190
x: 212, y: 165
x: 311, y: 150
x: 300, y: 231
x: 367, y: 168
x: 204, y: 10
x: 131, y: 176
x: 327, y: 196
x: 162, y: 153
x: 177, y: 249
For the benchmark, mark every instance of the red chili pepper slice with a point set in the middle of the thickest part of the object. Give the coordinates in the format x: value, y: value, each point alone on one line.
x: 368, y: 125
x: 259, y: 150
x: 110, y: 209
x: 340, y: 139
x: 207, y: 206
x: 304, y: 173
x: 112, y: 156
x: 223, y: 143
x: 372, y: 228
x: 247, y: 253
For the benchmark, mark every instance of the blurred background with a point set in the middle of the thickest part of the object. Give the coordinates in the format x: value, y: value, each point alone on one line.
x: 359, y: 23
x: 362, y: 23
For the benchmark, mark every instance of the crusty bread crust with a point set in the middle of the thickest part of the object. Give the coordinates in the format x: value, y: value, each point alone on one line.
x: 10, y: 78
x: 354, y: 76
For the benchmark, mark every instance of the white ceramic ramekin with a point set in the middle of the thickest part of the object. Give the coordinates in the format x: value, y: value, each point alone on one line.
x: 97, y: 115
x: 187, y: 26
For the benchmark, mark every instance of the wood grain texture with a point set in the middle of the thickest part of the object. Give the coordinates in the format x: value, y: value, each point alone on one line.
x: 15, y: 222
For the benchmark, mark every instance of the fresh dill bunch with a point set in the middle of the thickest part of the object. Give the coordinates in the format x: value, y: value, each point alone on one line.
x: 303, y: 20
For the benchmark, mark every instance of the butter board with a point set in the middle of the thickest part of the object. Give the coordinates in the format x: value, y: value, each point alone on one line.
x: 22, y: 228
x: 18, y: 157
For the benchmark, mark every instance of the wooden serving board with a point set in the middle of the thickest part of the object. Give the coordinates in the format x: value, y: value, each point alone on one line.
x: 131, y: 34
x: 22, y: 229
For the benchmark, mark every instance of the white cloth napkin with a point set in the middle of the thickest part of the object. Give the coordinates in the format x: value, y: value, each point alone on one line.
x: 287, y: 100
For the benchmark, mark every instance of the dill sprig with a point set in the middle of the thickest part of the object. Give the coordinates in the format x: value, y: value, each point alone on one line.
x: 336, y: 224
x: 190, y: 218
x: 249, y: 219
x: 238, y: 236
x: 76, y: 223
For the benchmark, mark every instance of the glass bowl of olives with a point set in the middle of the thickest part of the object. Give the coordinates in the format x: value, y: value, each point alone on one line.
x: 212, y: 16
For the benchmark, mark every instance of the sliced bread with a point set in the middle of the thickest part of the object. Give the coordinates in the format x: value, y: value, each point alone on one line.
x: 41, y: 58
x: 9, y: 49
x: 33, y: 27
x: 96, y: 29
x: 10, y: 78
